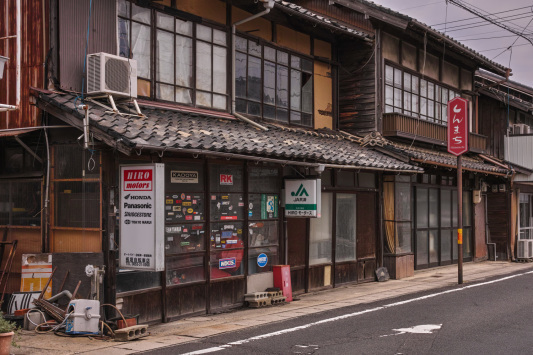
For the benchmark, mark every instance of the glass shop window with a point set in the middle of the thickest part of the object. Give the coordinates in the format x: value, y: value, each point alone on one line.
x: 76, y: 182
x: 20, y: 202
x: 185, y: 234
x: 227, y: 214
x: 321, y: 235
x: 346, y: 228
x: 227, y: 249
x: 263, y: 216
x: 397, y: 214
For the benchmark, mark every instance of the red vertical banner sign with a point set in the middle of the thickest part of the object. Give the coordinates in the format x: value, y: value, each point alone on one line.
x: 458, y: 132
x: 457, y: 126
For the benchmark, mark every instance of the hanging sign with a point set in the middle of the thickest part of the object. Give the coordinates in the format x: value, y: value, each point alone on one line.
x: 458, y: 126
x: 302, y: 198
x: 142, y: 207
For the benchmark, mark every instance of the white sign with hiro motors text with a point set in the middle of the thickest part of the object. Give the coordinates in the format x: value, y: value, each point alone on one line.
x: 302, y: 198
x: 142, y: 194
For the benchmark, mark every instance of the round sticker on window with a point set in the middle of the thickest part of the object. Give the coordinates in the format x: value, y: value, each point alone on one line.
x: 262, y: 260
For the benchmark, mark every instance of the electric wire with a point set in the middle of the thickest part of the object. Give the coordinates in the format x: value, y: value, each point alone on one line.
x: 475, y: 17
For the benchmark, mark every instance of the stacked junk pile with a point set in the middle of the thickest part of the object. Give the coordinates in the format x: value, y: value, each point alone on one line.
x: 66, y: 313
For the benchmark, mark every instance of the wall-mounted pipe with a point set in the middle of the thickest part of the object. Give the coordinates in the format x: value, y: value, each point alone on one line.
x: 19, y: 50
x: 487, y: 232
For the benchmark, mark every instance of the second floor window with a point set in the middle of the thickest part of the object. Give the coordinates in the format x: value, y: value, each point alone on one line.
x: 273, y: 84
x: 190, y: 59
x: 414, y: 96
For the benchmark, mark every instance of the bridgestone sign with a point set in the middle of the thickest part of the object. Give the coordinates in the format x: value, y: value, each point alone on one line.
x: 142, y: 193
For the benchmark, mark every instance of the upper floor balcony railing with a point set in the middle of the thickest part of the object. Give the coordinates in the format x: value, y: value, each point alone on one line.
x: 399, y: 125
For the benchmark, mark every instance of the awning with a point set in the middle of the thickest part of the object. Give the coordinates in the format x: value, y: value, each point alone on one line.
x: 163, y: 130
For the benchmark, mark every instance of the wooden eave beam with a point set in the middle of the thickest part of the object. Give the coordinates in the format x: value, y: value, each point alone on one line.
x: 76, y: 123
x: 373, y: 13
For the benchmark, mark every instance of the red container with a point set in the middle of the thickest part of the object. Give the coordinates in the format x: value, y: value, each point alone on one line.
x: 282, y: 280
x: 129, y: 323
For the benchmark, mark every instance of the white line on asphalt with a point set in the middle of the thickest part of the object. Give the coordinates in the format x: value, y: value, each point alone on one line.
x: 350, y: 315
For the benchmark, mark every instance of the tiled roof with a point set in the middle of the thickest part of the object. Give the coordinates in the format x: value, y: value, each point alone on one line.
x: 422, y: 26
x: 162, y: 128
x: 432, y: 156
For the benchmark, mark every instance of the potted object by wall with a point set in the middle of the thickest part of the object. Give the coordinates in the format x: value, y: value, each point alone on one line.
x: 7, y: 331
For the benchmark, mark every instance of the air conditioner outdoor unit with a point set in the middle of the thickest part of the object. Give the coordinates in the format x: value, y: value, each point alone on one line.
x: 520, y: 128
x: 524, y: 249
x: 109, y: 74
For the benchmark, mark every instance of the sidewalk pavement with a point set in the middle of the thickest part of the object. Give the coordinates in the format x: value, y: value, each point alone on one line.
x: 195, y: 328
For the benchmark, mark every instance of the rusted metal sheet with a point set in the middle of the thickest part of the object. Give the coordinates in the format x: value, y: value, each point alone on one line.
x: 73, y: 19
x: 338, y: 13
x: 34, y: 48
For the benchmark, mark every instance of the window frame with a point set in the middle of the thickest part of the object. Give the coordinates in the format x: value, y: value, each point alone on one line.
x: 439, y: 114
x: 155, y: 29
x: 289, y: 66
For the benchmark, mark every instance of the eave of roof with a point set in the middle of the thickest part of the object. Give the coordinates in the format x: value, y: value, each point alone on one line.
x: 392, y: 17
x: 164, y: 130
x: 321, y: 20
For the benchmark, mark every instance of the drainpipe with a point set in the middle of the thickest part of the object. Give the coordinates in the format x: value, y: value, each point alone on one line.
x: 19, y: 50
x: 268, y: 4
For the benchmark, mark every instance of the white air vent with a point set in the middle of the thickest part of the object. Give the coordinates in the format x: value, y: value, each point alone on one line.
x: 111, y: 74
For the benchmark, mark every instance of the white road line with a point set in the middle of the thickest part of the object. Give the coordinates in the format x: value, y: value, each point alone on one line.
x: 350, y: 315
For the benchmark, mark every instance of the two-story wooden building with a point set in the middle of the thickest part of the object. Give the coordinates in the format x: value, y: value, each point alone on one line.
x: 236, y: 98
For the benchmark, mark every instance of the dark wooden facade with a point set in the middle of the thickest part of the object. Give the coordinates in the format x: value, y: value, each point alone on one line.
x: 34, y: 51
x: 357, y: 88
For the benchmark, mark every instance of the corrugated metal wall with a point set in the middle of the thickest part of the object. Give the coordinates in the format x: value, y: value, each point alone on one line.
x: 34, y: 48
x: 518, y: 150
x: 73, y: 18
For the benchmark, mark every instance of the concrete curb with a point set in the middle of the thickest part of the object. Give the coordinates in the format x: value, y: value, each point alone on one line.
x: 195, y: 328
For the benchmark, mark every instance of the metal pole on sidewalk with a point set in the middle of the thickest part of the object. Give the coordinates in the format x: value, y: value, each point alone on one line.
x: 460, y: 220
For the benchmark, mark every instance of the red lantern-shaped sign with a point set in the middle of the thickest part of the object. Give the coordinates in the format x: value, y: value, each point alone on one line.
x: 458, y: 126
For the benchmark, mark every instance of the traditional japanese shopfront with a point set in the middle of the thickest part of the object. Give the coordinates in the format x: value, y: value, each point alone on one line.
x: 223, y: 219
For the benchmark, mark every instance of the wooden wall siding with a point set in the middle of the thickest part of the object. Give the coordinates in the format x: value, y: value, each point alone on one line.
x: 29, y: 242
x: 147, y: 305
x: 492, y: 123
x: 367, y: 229
x: 498, y: 215
x: 480, y: 244
x: 73, y: 17
x: 319, y: 277
x: 34, y: 49
x: 399, y: 266
x: 186, y: 300
x: 337, y: 12
x: 399, y: 125
x: 357, y: 88
x: 345, y: 273
x: 298, y: 280
x: 227, y: 294
x: 366, y: 270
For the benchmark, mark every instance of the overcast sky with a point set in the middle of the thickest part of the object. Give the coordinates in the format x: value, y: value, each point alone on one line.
x: 475, y: 33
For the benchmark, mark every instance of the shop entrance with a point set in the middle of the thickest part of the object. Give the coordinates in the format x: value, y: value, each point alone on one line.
x: 297, y: 249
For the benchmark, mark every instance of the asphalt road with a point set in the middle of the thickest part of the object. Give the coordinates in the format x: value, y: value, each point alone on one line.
x: 493, y: 317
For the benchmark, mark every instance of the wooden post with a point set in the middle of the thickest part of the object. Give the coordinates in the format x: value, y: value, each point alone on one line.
x: 460, y: 220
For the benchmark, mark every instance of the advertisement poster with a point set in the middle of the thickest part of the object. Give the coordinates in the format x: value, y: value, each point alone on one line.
x: 141, y: 217
x: 302, y: 198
